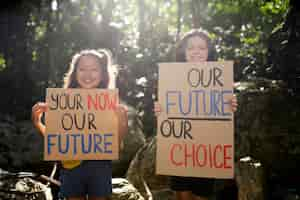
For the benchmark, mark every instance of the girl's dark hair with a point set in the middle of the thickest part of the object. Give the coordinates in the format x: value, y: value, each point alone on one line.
x: 107, y: 69
x: 182, y: 44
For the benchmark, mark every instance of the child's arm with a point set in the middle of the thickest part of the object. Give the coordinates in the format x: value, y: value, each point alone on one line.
x: 122, y: 121
x: 36, y: 114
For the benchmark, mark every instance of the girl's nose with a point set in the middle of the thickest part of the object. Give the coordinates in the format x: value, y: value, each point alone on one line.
x: 87, y: 74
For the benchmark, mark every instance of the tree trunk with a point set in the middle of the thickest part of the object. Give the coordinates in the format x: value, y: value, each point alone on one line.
x: 198, y: 7
x: 141, y: 23
x: 179, y: 15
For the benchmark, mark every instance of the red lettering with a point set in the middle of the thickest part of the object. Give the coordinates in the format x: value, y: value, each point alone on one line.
x: 227, y: 147
x: 112, y: 102
x: 91, y: 102
x: 202, y: 146
x: 201, y: 155
x: 102, y: 101
x: 189, y: 155
x: 215, y: 156
x: 210, y: 156
x: 172, y: 154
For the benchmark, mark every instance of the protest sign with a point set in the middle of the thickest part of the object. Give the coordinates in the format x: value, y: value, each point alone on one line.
x: 195, y: 127
x: 81, y: 124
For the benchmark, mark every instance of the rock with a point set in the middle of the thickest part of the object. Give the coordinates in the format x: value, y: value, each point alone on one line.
x: 22, y: 186
x: 123, y: 190
x: 132, y: 142
x: 141, y: 174
x: 267, y: 127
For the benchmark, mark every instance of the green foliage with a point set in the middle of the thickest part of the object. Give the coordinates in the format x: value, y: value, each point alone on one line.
x: 139, y: 33
x: 2, y: 63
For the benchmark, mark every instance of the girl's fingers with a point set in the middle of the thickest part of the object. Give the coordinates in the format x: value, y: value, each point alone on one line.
x: 234, y: 103
x: 40, y: 105
x: 121, y: 110
x: 37, y: 110
x: 157, y: 108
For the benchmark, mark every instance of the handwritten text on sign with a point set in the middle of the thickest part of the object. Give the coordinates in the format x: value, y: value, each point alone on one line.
x: 81, y: 124
x: 195, y: 128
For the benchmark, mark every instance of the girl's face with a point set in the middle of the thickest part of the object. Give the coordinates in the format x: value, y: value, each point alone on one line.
x: 88, y: 73
x: 196, y: 50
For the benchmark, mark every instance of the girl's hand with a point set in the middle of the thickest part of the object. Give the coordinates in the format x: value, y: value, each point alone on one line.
x: 36, y: 114
x: 37, y: 111
x: 234, y: 103
x: 157, y: 108
x: 121, y: 110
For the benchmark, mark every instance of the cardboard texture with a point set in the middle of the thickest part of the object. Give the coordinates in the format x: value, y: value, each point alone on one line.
x: 195, y: 128
x: 81, y: 124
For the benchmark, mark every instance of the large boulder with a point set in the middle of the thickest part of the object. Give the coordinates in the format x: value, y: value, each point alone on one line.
x: 141, y: 174
x: 132, y: 142
x: 267, y: 126
x: 267, y: 129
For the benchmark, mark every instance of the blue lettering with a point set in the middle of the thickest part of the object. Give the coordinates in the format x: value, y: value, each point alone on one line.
x: 97, y: 142
x: 225, y: 102
x: 63, y: 151
x: 215, y: 102
x: 75, y: 136
x: 189, y: 103
x: 107, y: 143
x: 88, y: 142
x: 168, y: 103
x: 49, y: 142
x: 80, y: 143
x: 198, y: 102
x: 197, y: 92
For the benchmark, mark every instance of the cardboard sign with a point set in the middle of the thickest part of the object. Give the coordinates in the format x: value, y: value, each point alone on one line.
x: 195, y: 128
x: 81, y: 124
